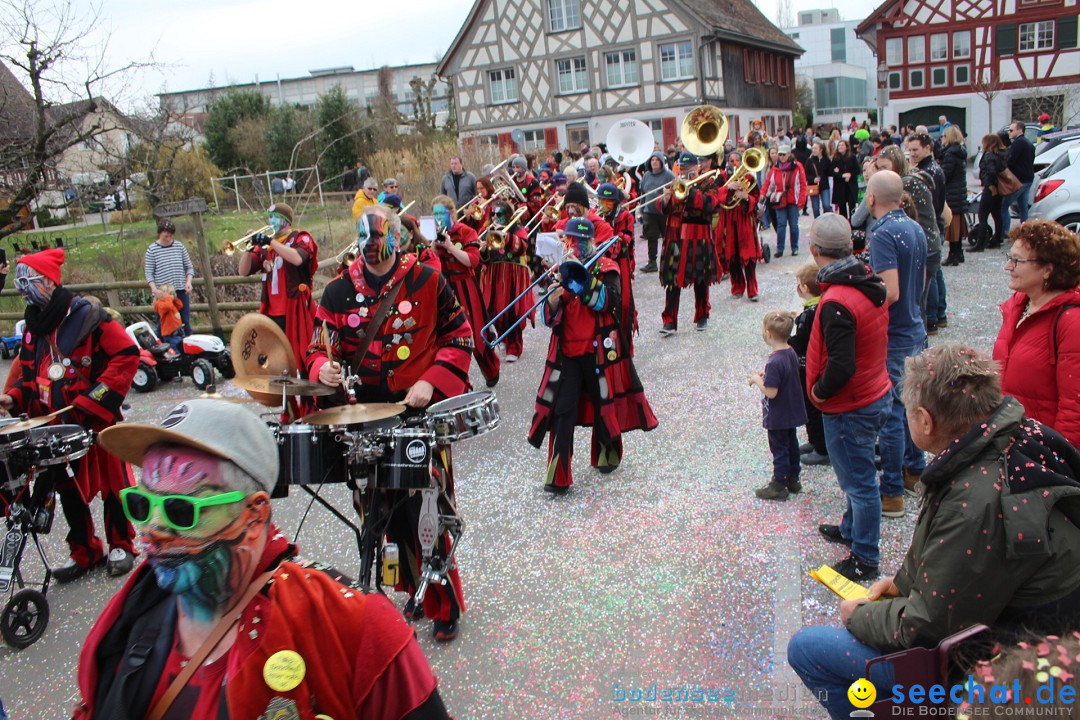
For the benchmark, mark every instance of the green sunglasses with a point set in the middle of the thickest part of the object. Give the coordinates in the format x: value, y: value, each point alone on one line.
x: 180, y: 512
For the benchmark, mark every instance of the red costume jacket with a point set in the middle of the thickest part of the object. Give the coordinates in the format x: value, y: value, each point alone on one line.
x: 688, y: 253
x: 737, y: 230
x: 622, y: 252
x: 299, y: 313
x: 425, y: 336
x: 101, y: 363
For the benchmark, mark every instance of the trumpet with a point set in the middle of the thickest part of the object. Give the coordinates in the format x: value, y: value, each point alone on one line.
x: 244, y: 244
x: 680, y: 188
x: 474, y: 209
x: 349, y: 254
x: 752, y: 162
x: 497, y: 236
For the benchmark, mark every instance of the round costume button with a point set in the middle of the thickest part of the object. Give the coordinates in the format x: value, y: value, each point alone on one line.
x: 353, y: 321
x: 611, y: 356
x: 403, y: 352
x: 284, y: 670
x: 609, y: 343
x: 404, y: 307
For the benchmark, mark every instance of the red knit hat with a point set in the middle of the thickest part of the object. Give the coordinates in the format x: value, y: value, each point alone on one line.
x: 46, y: 262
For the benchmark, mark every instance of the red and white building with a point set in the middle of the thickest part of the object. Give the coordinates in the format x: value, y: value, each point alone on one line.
x: 943, y: 57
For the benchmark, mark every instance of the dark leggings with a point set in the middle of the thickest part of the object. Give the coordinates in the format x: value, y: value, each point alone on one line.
x: 989, y: 205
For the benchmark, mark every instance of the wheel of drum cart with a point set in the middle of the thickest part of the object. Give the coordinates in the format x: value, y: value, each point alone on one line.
x: 766, y: 253
x: 145, y: 379
x: 25, y: 618
x: 202, y: 374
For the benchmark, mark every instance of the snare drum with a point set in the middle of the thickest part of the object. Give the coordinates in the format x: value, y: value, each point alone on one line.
x: 59, y: 444
x: 309, y: 455
x: 409, y: 466
x: 9, y: 442
x: 464, y: 416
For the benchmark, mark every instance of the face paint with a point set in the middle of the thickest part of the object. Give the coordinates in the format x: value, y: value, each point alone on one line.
x: 204, y: 566
x: 376, y: 245
x: 442, y: 217
x: 574, y: 210
x: 607, y: 206
x: 31, y: 286
x: 278, y: 222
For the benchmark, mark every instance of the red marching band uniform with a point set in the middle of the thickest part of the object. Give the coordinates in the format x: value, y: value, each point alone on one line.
x: 96, y: 361
x: 688, y: 257
x: 589, y: 377
x: 622, y: 252
x: 463, y: 279
x: 425, y: 336
x: 506, y: 276
x: 737, y: 243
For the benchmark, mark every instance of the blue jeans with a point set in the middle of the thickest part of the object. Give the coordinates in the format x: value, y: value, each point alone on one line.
x: 828, y: 660
x: 1020, y: 197
x: 185, y: 312
x: 850, y: 436
x: 824, y: 200
x: 898, y: 452
x: 942, y: 305
x: 784, y: 446
x: 787, y: 216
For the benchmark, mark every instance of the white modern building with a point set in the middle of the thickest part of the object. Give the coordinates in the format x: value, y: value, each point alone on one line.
x: 840, y: 66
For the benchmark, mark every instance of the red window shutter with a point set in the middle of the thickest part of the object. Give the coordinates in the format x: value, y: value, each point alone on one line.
x: 551, y: 138
x: 738, y: 132
x: 506, y: 145
x: 746, y: 66
x: 669, y: 131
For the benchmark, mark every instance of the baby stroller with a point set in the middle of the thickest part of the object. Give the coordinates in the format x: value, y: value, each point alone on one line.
x: 971, y: 213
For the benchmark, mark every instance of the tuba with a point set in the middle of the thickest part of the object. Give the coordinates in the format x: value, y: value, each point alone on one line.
x: 753, y: 161
x: 630, y: 142
x: 704, y: 130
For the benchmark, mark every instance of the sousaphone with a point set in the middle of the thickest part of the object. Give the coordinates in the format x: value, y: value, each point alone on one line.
x: 630, y: 142
x: 704, y: 130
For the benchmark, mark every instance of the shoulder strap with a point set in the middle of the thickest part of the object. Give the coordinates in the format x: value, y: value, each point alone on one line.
x: 1053, y: 330
x: 376, y: 323
x: 225, y: 624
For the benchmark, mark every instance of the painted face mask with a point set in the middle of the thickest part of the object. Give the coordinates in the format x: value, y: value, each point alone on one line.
x: 574, y: 210
x: 442, y: 217
x: 377, y: 242
x: 30, y: 286
x: 278, y: 222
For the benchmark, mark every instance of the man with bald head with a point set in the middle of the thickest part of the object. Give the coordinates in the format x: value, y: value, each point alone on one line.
x: 898, y: 256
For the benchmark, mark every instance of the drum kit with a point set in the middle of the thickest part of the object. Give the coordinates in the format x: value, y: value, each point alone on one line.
x: 383, y: 452
x: 29, y: 447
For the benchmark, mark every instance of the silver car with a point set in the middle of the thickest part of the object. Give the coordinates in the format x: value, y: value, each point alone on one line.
x: 1057, y: 196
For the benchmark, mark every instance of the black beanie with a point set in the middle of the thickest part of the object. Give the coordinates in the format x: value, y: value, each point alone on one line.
x: 576, y: 193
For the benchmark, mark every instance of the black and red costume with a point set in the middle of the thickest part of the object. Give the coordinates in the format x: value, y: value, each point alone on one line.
x: 688, y: 256
x: 506, y: 276
x: 589, y: 379
x: 425, y: 336
x: 286, y: 290
x: 738, y: 243
x: 464, y: 280
x: 622, y: 252
x: 533, y: 192
x: 99, y: 361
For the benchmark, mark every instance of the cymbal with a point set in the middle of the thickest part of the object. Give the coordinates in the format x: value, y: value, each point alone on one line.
x: 272, y: 386
x: 354, y: 414
x: 31, y: 423
x: 260, y: 348
x: 226, y: 398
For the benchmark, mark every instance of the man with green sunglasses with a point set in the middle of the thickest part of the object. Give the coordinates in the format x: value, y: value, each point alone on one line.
x: 222, y: 609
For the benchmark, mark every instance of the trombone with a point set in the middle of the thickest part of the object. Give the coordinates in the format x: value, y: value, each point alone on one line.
x: 499, y: 235
x: 244, y: 244
x: 753, y: 161
x: 562, y: 268
x: 680, y: 187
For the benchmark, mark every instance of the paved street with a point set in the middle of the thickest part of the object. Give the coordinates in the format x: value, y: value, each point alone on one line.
x: 667, y: 572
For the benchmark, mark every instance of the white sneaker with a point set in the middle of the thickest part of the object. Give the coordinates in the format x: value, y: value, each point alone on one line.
x: 511, y: 358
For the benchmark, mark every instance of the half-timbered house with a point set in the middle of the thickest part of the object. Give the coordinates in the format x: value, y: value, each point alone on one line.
x: 948, y: 57
x: 564, y: 71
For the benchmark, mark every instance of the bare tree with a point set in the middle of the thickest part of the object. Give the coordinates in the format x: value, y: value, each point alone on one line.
x: 784, y: 17
x: 49, y: 62
x: 987, y: 87
x: 1062, y: 104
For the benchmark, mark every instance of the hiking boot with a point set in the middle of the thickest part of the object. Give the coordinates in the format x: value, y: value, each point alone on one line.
x: 856, y: 570
x: 912, y: 482
x: 772, y: 491
x: 120, y: 562
x: 943, y: 322
x: 892, y: 507
x: 832, y: 534
x: 650, y: 267
x: 815, y: 458
x: 668, y: 329
x: 794, y: 487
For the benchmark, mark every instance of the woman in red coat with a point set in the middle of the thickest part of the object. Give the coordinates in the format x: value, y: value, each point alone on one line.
x: 1038, y: 346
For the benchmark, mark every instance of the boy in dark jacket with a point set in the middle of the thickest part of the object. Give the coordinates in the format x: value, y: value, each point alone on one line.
x: 781, y: 407
x: 997, y: 541
x: 814, y: 451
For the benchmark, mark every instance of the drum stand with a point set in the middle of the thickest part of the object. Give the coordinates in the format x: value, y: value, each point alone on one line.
x: 26, y: 613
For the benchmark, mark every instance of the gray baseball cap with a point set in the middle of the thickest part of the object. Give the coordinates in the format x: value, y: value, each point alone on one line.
x: 223, y: 429
x: 832, y: 231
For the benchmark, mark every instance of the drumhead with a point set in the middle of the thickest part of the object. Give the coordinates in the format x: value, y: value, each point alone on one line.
x: 58, y: 432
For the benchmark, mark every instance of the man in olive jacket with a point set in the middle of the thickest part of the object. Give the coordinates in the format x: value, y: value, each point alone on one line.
x: 997, y: 540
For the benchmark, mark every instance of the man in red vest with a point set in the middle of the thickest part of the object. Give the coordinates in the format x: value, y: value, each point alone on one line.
x: 847, y: 379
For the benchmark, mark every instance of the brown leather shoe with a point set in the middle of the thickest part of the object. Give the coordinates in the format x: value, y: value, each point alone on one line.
x: 892, y: 507
x: 912, y: 483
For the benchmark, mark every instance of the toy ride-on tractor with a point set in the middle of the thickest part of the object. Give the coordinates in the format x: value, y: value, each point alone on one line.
x: 197, y: 358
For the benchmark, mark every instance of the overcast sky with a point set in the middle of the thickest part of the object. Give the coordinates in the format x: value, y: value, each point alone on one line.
x: 199, y: 42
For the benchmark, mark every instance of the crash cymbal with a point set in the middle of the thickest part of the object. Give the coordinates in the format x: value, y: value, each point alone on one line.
x: 276, y: 386
x: 228, y: 398
x: 260, y: 348
x: 31, y: 423
x: 354, y: 414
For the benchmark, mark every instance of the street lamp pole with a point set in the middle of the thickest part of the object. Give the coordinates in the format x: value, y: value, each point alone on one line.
x: 883, y: 92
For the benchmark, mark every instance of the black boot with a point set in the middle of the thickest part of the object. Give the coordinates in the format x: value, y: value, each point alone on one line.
x: 956, y: 254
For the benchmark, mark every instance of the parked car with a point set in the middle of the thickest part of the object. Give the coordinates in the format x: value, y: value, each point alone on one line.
x: 1058, y: 196
x: 1052, y: 146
